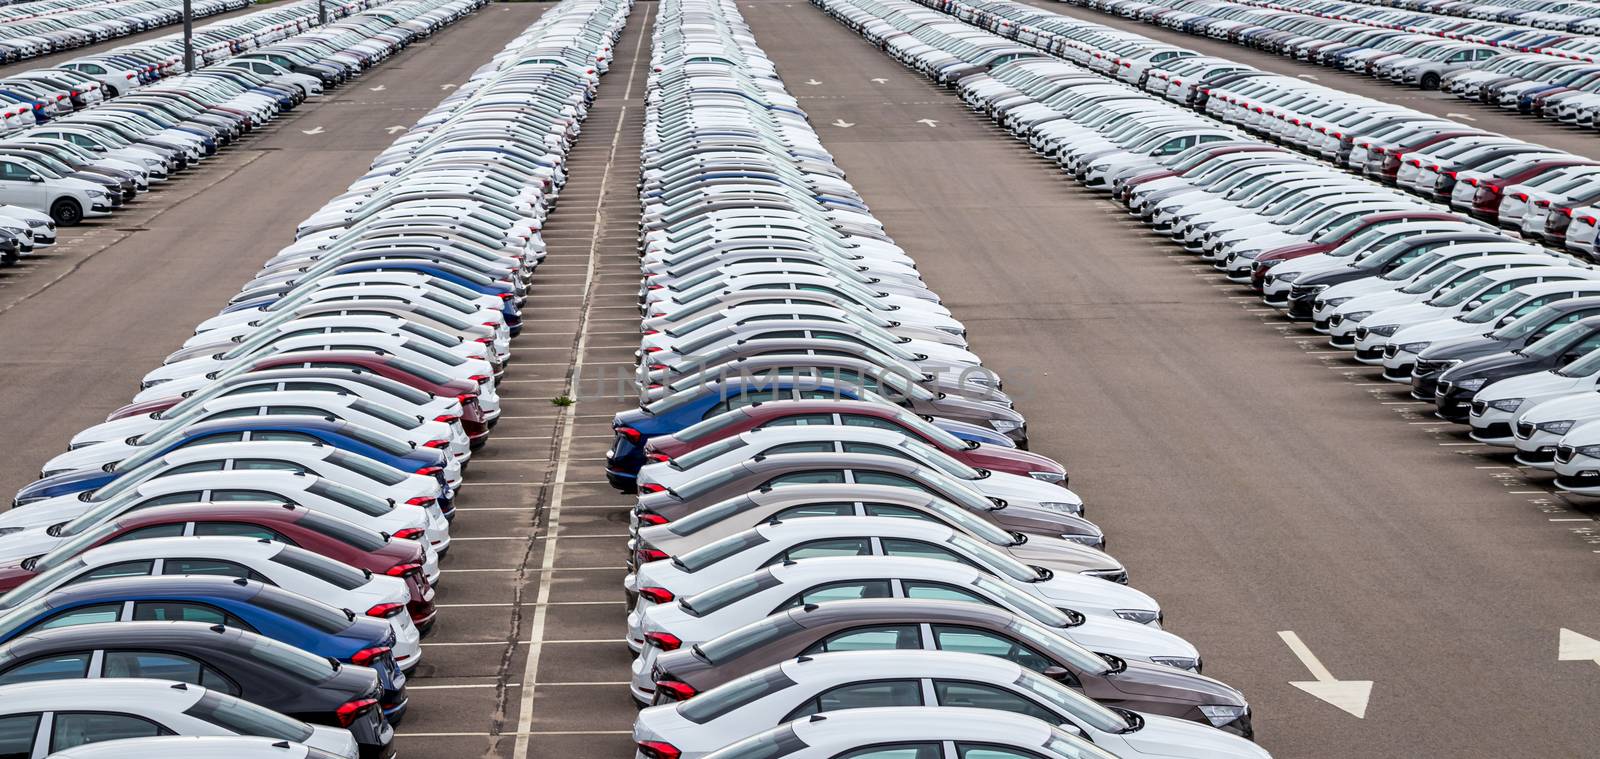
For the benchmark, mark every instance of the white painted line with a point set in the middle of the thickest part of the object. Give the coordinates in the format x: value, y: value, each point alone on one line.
x: 542, y: 569
x: 1578, y: 519
x: 1471, y: 444
x: 533, y: 643
x: 520, y: 735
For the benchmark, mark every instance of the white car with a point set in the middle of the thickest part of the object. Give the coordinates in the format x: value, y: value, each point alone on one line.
x: 1494, y: 406
x: 194, y: 747
x: 1539, y: 428
x: 68, y: 201
x: 1401, y: 349
x: 703, y: 616
x: 1351, y: 315
x: 1420, y: 268
x: 1577, y: 460
x: 827, y: 683
x: 39, y: 526
x: 927, y: 731
x: 293, y: 569
x: 115, y: 708
x: 694, y: 572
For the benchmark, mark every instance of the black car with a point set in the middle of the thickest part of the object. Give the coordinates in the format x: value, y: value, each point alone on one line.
x: 1384, y: 261
x: 260, y: 670
x: 1456, y: 385
x: 1511, y: 336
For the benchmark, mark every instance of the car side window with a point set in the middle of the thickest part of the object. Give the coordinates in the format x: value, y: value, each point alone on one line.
x: 77, y: 728
x: 816, y: 446
x: 214, y: 567
x: 822, y: 548
x: 267, y: 465
x: 239, y: 530
x: 59, y: 667
x: 861, y: 696
x: 1584, y: 346
x: 887, y: 478
x: 902, y: 512
x: 815, y: 510
x: 220, y: 437
x: 918, y: 549
x: 973, y: 641
x: 164, y: 666
x: 85, y: 615
x: 858, y: 420
x: 153, y: 531
x: 282, y: 435
x: 798, y: 420
x: 120, y: 569
x: 821, y: 476
x: 896, y: 751
x: 745, y: 399
x: 875, y: 449
x: 17, y: 733
x: 939, y: 591
x: 837, y: 591
x: 192, y: 467
x: 987, y: 751
x: 192, y: 496
x: 180, y: 611
x: 984, y: 696
x: 14, y: 172
x: 246, y: 495
x: 869, y: 639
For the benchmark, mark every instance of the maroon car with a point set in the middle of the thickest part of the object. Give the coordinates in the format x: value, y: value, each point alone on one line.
x: 1270, y: 258
x: 393, y: 367
x: 855, y: 413
x: 1486, y: 198
x: 394, y: 555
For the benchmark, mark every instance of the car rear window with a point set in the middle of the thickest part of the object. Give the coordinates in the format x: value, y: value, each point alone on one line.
x: 709, y: 601
x: 339, y: 575
x: 734, y: 694
x: 245, y: 718
x: 755, y: 635
x: 716, y: 551
x: 344, y: 532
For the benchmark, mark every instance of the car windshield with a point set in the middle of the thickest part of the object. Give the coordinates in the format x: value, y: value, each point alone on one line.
x: 717, y: 550
x: 755, y: 635
x: 1059, y: 648
x: 100, y: 513
x: 1460, y: 293
x: 708, y: 452
x: 1556, y: 343
x: 992, y: 559
x: 1084, y: 709
x: 1039, y: 611
x: 1525, y: 325
x: 128, y: 480
x: 1583, y: 367
x: 42, y: 583
x: 18, y: 617
x: 244, y: 718
x: 927, y: 454
x: 1356, y: 244
x: 1432, y: 281
x: 1496, y: 308
x: 337, y: 574
x: 1411, y: 268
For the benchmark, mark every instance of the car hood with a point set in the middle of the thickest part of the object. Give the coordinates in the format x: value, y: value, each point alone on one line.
x: 1581, y: 406
x: 1438, y: 329
x: 116, y: 429
x: 1160, y: 681
x: 62, y: 484
x: 1533, y: 385
x: 1128, y: 640
x: 1091, y: 595
x: 1464, y: 348
x: 1167, y: 736
x: 27, y: 543
x: 1375, y: 301
x: 1408, y: 314
x: 1061, y: 555
x: 1495, y: 367
x: 1021, y: 490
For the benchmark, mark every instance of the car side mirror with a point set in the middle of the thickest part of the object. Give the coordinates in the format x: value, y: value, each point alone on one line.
x: 1472, y: 306
x: 35, y: 178
x: 1056, y: 672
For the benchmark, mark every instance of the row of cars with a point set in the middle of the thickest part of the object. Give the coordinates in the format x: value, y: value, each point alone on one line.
x: 840, y: 543
x: 70, y: 152
x: 1523, y: 69
x: 38, y: 28
x: 243, y: 560
x: 1497, y: 333
x: 1577, y: 16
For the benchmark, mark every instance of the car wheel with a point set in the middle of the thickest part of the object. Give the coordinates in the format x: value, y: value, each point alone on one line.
x: 1430, y: 81
x: 67, y: 212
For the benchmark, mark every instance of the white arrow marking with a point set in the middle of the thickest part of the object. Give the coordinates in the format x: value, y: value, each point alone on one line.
x: 813, y: 82
x: 395, y: 128
x: 447, y: 86
x: 1349, y: 695
x: 318, y: 130
x: 1312, y: 77
x: 379, y: 88
x: 842, y: 124
x: 930, y: 122
x: 1577, y: 647
x: 880, y: 81
x: 1461, y: 116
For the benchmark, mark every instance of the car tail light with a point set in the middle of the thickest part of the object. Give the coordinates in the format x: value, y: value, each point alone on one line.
x: 647, y: 555
x: 651, y: 518
x: 401, y: 570
x: 1567, y: 211
x: 480, y: 378
x: 1586, y: 219
x: 420, y: 500
x: 633, y: 435
x: 652, y: 332
x: 430, y: 470
x: 659, y: 457
x: 655, y: 287
x: 1521, y: 196
x: 485, y: 340
x: 651, y: 487
x: 350, y: 711
x: 384, y: 611
x: 436, y: 444
x: 663, y: 641
x: 466, y: 398
x: 652, y: 349
x: 409, y: 533
x: 658, y: 750
x: 447, y: 418
x: 674, y: 690
x: 366, y: 656
x: 657, y: 367
x: 657, y: 595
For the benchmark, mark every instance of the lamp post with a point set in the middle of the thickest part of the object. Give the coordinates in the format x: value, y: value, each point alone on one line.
x: 188, y: 36
x: 322, y: 12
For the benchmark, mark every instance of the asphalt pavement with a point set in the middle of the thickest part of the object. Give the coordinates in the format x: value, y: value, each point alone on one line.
x: 1253, y: 480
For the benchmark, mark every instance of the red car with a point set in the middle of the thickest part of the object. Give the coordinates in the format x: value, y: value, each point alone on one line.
x: 362, y: 548
x: 848, y: 413
x: 393, y: 367
x: 1486, y: 199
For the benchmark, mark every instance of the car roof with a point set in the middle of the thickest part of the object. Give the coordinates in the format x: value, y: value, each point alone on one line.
x: 132, y: 694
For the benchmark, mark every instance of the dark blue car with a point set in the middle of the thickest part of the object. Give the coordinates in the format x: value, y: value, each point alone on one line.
x: 268, y: 611
x: 312, y: 429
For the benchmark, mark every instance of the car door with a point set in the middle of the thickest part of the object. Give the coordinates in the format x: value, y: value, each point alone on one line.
x: 867, y: 695
x: 66, y: 666
x: 871, y: 638
x: 164, y: 665
x: 18, y: 187
x: 69, y: 729
x: 837, y: 591
x: 18, y: 733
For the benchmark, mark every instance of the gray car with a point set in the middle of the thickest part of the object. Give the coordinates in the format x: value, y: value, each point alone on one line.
x: 902, y: 623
